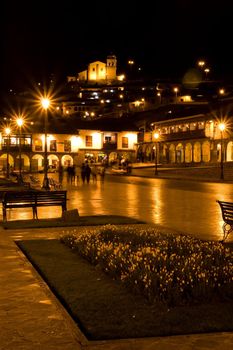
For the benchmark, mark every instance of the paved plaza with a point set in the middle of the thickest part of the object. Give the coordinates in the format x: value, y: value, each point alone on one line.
x: 32, y: 318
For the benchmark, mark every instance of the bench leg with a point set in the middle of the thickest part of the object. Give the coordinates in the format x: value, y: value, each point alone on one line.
x: 34, y: 210
x: 4, y: 213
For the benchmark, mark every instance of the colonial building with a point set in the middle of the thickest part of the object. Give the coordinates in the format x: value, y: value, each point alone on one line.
x: 68, y: 142
x: 191, y: 138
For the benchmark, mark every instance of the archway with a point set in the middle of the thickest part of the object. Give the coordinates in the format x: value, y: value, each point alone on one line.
x: 197, y: 152
x: 25, y: 162
x: 37, y: 162
x: 66, y: 160
x: 148, y: 153
x: 165, y: 153
x: 172, y: 154
x: 229, y: 153
x: 3, y: 161
x: 179, y: 153
x: 113, y: 157
x: 140, y: 156
x: 53, y: 161
x: 206, y: 151
x: 188, y: 153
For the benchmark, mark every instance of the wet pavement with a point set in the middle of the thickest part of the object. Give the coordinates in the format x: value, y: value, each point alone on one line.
x: 187, y: 206
x: 32, y: 318
x: 183, y: 205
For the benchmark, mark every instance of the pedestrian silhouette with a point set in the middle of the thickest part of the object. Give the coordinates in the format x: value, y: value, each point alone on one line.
x: 87, y: 172
x: 83, y: 172
x: 94, y: 173
x: 102, y: 173
x: 60, y: 174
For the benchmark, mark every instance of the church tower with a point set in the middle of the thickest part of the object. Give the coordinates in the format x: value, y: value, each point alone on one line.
x: 111, y: 68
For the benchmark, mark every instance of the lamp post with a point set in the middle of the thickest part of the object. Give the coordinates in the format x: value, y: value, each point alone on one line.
x: 206, y: 70
x: 7, y: 132
x: 156, y: 136
x: 160, y: 97
x: 221, y: 92
x: 45, y: 102
x: 221, y: 128
x: 19, y: 122
x: 176, y: 91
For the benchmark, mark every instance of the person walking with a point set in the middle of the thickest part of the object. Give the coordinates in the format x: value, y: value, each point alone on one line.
x: 87, y: 172
x: 102, y: 173
x: 72, y: 174
x: 94, y: 173
x: 77, y: 173
x: 83, y: 172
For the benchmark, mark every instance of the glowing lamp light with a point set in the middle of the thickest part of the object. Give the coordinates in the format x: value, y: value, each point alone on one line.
x: 45, y: 102
x: 19, y: 122
x: 222, y: 126
x: 7, y: 131
x: 201, y: 63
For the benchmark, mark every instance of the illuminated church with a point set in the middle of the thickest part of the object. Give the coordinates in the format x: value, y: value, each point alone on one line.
x: 99, y: 72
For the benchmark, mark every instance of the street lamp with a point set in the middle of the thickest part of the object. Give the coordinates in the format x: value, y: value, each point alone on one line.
x: 221, y: 92
x: 221, y: 128
x: 201, y: 63
x: 156, y: 136
x: 7, y: 132
x: 176, y: 91
x: 206, y: 70
x: 19, y: 122
x: 160, y: 97
x: 45, y: 102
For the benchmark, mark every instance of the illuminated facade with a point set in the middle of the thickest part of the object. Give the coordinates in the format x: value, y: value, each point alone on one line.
x: 191, y: 140
x: 99, y: 72
x: 67, y: 149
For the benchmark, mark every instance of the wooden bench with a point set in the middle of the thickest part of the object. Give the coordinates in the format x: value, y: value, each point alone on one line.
x: 227, y: 215
x: 33, y: 199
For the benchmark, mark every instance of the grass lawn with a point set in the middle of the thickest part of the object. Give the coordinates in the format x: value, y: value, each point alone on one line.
x: 105, y: 309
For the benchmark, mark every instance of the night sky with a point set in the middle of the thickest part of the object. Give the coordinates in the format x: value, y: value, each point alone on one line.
x: 165, y: 38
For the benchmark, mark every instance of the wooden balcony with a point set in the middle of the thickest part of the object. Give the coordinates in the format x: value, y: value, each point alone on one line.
x: 109, y: 146
x: 15, y: 148
x: 183, y: 135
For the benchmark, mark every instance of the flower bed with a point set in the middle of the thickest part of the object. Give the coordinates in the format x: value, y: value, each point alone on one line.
x: 175, y: 269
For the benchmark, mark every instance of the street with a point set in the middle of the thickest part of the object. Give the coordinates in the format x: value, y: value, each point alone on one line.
x: 185, y: 206
x: 182, y: 205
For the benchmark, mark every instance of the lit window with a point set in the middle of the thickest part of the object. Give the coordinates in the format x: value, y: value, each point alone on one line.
x: 125, y: 142
x: 53, y: 145
x: 88, y: 141
x: 67, y: 146
x: 38, y: 145
x: 107, y: 139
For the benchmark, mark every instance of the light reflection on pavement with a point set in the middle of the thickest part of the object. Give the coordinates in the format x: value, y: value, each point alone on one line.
x: 185, y: 206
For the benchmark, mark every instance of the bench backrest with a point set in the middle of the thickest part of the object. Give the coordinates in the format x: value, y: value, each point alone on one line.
x: 18, y: 196
x: 51, y: 196
x: 227, y: 211
x: 34, y: 197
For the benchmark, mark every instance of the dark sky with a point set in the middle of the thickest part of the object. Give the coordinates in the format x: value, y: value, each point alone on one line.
x: 166, y: 37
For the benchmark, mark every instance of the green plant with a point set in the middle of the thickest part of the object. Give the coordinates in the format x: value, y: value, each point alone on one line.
x: 175, y: 269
